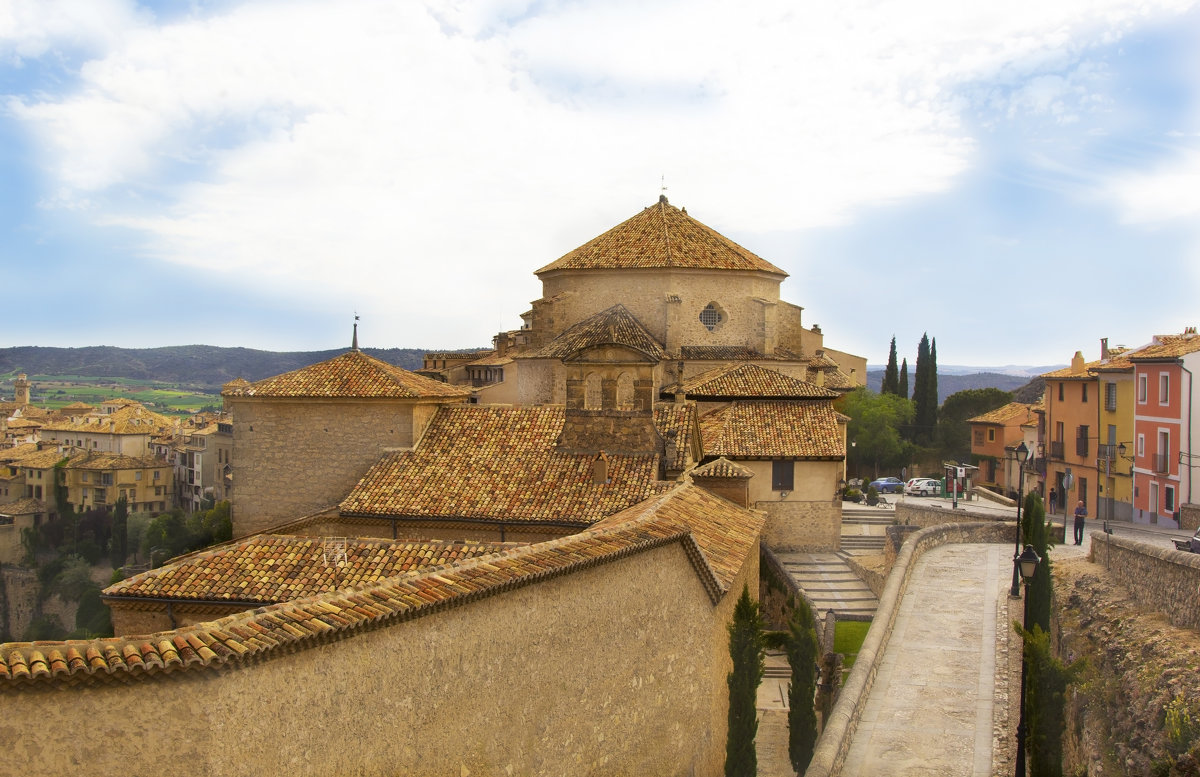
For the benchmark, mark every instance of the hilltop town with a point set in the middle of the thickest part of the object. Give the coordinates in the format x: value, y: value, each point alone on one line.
x: 518, y: 560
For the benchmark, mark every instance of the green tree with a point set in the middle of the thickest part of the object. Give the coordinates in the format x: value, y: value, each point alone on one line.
x: 891, y: 374
x: 803, y: 651
x: 875, y: 424
x: 1040, y: 588
x: 924, y: 418
x: 119, y: 544
x: 1047, y: 678
x: 903, y: 390
x: 953, y: 431
x: 746, y: 650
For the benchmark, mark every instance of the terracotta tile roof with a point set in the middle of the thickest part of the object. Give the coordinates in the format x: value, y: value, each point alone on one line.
x: 834, y: 379
x: 750, y: 381
x: 25, y: 506
x: 92, y: 460
x: 1168, y: 347
x: 678, y: 426
x: 18, y: 452
x: 127, y: 419
x: 722, y: 468
x: 1003, y: 414
x: 35, y: 459
x: 615, y: 326
x: 268, y: 569
x: 76, y: 408
x: 458, y: 356
x: 1070, y: 373
x: 491, y: 360
x: 773, y: 429
x: 353, y: 374
x: 499, y: 463
x: 252, y: 635
x: 661, y: 236
x: 23, y: 423
x: 725, y: 533
x: 733, y: 353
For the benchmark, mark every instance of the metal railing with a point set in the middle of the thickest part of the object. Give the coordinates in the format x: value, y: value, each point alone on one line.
x: 1056, y: 450
x: 1107, y: 452
x: 1081, y: 446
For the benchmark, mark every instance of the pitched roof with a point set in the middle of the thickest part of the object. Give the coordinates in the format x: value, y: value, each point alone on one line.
x: 267, y: 569
x: 737, y: 353
x: 24, y: 506
x: 1168, y: 347
x: 773, y: 429
x: 1003, y: 414
x: 500, y: 463
x: 614, y: 326
x: 352, y: 374
x: 750, y: 381
x: 251, y: 635
x: 722, y: 468
x: 126, y: 419
x: 93, y: 460
x: 661, y: 236
x: 725, y: 533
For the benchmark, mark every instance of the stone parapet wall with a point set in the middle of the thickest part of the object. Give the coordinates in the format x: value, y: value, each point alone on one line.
x: 1189, y: 517
x: 1158, y: 577
x: 834, y: 741
x: 614, y: 669
x: 802, y: 526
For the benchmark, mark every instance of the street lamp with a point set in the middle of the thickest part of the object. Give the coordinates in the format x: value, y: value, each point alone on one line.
x: 1027, y: 563
x: 1022, y: 455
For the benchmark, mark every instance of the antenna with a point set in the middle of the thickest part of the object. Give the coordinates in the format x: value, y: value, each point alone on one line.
x: 662, y: 195
x: 334, y: 551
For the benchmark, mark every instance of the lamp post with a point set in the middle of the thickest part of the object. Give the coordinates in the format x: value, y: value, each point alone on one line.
x: 1022, y: 456
x: 1027, y: 563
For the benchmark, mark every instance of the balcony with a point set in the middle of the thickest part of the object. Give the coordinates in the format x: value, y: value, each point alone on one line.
x: 1038, y: 465
x: 1081, y: 447
x: 1106, y: 452
x: 1056, y: 450
x: 1162, y: 463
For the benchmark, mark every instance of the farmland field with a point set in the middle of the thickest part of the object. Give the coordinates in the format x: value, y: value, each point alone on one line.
x: 55, y: 391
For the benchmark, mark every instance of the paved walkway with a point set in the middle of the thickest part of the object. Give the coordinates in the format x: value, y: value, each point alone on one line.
x: 931, y: 707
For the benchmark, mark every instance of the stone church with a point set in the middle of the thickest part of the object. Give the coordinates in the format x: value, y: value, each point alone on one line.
x: 517, y: 561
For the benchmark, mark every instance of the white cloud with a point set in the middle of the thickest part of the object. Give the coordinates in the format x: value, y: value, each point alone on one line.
x: 314, y: 146
x: 1160, y: 196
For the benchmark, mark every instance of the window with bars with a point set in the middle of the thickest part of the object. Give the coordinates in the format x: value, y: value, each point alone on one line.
x: 711, y: 316
x: 1110, y: 396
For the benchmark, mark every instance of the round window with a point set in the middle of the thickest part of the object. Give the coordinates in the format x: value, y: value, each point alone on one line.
x: 712, y: 316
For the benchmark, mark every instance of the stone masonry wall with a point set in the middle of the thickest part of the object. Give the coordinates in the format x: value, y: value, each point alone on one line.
x: 618, y: 669
x: 1189, y: 517
x: 291, y: 458
x: 802, y: 526
x: 1157, y: 577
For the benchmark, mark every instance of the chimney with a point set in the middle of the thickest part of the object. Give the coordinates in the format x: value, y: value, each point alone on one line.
x: 1103, y: 349
x: 1077, y: 362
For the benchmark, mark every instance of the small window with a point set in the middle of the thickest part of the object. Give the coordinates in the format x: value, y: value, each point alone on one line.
x: 992, y: 438
x: 85, y: 480
x: 1060, y: 391
x: 1164, y: 388
x: 782, y: 475
x: 138, y: 476
x: 1110, y: 396
x: 1141, y: 445
x: 1142, y: 389
x: 1169, y: 499
x: 157, y: 473
x: 712, y: 316
x: 1084, y: 387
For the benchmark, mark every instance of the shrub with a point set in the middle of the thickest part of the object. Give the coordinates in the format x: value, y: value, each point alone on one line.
x: 872, y: 496
x: 803, y: 651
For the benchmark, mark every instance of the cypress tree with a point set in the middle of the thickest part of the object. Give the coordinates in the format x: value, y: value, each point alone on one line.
x: 922, y: 422
x: 119, y: 546
x: 803, y: 651
x: 904, y: 379
x: 932, y: 387
x: 1033, y: 525
x: 746, y: 649
x: 891, y: 379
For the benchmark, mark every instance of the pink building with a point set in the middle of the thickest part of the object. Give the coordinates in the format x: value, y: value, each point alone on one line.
x: 1165, y: 427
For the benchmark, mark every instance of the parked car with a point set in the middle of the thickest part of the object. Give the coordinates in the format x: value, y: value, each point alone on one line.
x: 888, y: 485
x: 1192, y: 545
x: 923, y: 487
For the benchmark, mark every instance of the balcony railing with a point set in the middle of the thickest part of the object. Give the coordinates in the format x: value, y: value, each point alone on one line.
x: 1161, y: 463
x: 1056, y: 450
x: 1107, y: 452
x: 1081, y: 446
x: 1038, y: 465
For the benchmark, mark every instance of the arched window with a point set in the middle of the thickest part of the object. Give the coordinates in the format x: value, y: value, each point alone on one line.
x: 625, y: 391
x: 593, y: 397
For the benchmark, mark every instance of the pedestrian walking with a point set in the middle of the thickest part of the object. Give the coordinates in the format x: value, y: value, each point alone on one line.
x: 1080, y: 514
x: 1053, y: 500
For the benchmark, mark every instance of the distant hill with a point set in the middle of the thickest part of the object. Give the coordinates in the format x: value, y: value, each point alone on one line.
x: 200, y: 366
x: 952, y: 384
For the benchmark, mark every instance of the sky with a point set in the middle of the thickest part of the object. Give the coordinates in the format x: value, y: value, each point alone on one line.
x: 1017, y: 180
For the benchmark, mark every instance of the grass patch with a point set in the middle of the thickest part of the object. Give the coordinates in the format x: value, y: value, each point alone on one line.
x: 55, y: 391
x: 848, y: 637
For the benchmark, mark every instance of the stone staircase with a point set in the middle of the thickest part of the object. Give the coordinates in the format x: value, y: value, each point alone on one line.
x: 863, y: 529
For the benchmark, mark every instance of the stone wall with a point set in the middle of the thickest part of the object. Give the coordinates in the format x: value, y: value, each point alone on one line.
x: 802, y: 526
x: 291, y: 458
x: 834, y: 741
x: 20, y: 588
x: 1189, y: 516
x: 1159, y: 578
x: 616, y: 669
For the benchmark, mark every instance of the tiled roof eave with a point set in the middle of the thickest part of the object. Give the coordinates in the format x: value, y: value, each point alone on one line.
x: 582, y: 523
x: 251, y: 636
